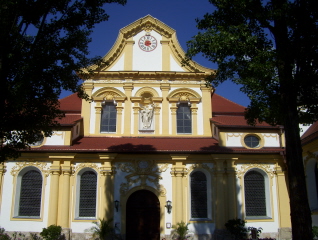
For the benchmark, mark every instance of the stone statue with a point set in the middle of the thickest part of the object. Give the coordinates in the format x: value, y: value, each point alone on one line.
x: 147, y: 115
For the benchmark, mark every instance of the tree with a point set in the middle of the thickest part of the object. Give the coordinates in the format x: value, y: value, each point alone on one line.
x: 271, y: 48
x: 43, y: 47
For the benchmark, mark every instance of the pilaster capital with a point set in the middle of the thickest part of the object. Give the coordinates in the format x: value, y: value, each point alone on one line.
x: 165, y: 86
x: 179, y: 172
x: 128, y: 86
x: 130, y: 42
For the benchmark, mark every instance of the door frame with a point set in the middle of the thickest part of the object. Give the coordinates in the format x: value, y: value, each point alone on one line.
x: 123, y: 203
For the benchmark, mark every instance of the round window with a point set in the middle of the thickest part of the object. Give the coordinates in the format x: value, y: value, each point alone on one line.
x: 39, y: 141
x: 251, y: 141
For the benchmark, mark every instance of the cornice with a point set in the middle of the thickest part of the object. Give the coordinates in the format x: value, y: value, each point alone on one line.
x: 151, y: 75
x: 148, y: 23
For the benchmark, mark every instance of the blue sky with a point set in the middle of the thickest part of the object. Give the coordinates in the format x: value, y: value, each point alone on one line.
x: 178, y: 14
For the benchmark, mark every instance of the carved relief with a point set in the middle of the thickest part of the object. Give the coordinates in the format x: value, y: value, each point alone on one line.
x: 142, y: 173
x: 42, y: 166
x: 202, y: 166
x: 265, y: 167
x: 80, y: 166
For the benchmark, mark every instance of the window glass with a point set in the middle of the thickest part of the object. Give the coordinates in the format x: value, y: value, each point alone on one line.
x: 87, y: 199
x: 184, y: 118
x: 251, y: 141
x: 30, y: 194
x: 108, y: 118
x: 255, y: 197
x: 198, y: 195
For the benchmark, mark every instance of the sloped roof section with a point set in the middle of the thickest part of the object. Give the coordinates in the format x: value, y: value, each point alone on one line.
x: 72, y: 106
x: 311, y: 134
x: 221, y: 106
x: 226, y: 113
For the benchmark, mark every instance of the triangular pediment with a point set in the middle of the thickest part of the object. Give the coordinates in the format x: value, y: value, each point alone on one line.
x: 148, y: 45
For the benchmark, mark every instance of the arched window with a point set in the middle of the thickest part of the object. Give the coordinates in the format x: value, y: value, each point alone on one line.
x: 108, y: 118
x: 87, y: 194
x: 256, y: 194
x: 29, y: 194
x: 184, y: 122
x: 199, y: 206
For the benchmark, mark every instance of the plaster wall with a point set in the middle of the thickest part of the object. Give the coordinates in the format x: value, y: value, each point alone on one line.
x: 174, y: 65
x: 8, y: 200
x: 57, y: 138
x: 236, y: 139
x: 147, y: 61
x: 119, y: 65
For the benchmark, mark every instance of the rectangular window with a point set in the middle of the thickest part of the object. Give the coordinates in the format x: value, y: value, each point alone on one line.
x: 108, y: 118
x: 184, y: 122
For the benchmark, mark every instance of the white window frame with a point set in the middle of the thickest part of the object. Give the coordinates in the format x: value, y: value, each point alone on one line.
x: 267, y: 195
x: 77, y: 196
x: 208, y: 192
x: 101, y: 116
x: 18, y: 193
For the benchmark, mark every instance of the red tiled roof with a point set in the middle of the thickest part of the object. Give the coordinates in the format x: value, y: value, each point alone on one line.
x: 221, y: 105
x: 69, y: 119
x: 72, y: 106
x: 225, y: 120
x: 310, y: 134
x: 148, y: 145
x: 71, y: 103
x: 230, y: 114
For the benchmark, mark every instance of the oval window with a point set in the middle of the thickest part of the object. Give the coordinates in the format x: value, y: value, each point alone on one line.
x: 251, y: 141
x: 39, y: 140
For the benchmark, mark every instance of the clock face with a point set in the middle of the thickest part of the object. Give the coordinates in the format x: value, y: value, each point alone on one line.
x: 147, y: 43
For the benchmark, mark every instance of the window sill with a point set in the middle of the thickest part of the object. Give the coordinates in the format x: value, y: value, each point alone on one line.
x: 85, y: 219
x: 259, y: 219
x: 201, y: 220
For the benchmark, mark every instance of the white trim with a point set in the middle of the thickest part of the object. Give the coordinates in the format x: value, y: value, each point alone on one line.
x: 209, y: 195
x: 267, y: 195
x: 77, y: 193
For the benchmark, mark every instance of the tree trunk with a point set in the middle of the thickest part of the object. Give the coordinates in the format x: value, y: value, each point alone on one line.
x: 299, y: 206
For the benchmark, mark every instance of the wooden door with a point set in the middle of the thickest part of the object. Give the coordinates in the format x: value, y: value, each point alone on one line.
x: 143, y: 216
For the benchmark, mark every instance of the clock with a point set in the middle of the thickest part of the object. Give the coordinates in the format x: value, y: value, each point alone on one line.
x: 147, y: 43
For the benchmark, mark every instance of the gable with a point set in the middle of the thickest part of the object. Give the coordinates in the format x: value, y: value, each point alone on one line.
x: 148, y: 45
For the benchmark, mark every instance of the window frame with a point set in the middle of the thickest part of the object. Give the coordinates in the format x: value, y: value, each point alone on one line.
x: 181, y: 104
x: 104, y: 104
x: 208, y: 193
x: 78, y: 194
x: 17, y: 198
x: 267, y: 196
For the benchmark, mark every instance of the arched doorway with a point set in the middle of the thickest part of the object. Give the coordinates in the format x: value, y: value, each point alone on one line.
x: 143, y: 216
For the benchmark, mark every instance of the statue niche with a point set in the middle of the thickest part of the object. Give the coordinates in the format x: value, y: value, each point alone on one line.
x: 146, y: 113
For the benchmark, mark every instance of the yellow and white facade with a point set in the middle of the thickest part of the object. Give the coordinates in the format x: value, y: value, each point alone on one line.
x: 152, y: 136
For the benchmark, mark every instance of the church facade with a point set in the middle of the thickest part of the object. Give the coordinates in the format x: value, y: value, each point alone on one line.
x: 155, y: 146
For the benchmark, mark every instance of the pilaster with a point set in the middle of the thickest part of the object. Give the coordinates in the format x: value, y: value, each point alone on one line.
x: 107, y: 171
x: 282, y: 198
x: 129, y: 55
x: 65, y: 195
x: 2, y: 172
x: 179, y: 193
x: 220, y: 189
x: 173, y: 110
x: 54, y: 193
x: 128, y: 86
x: 165, y: 87
x: 207, y: 109
x: 86, y: 107
x: 231, y: 189
x: 165, y: 55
